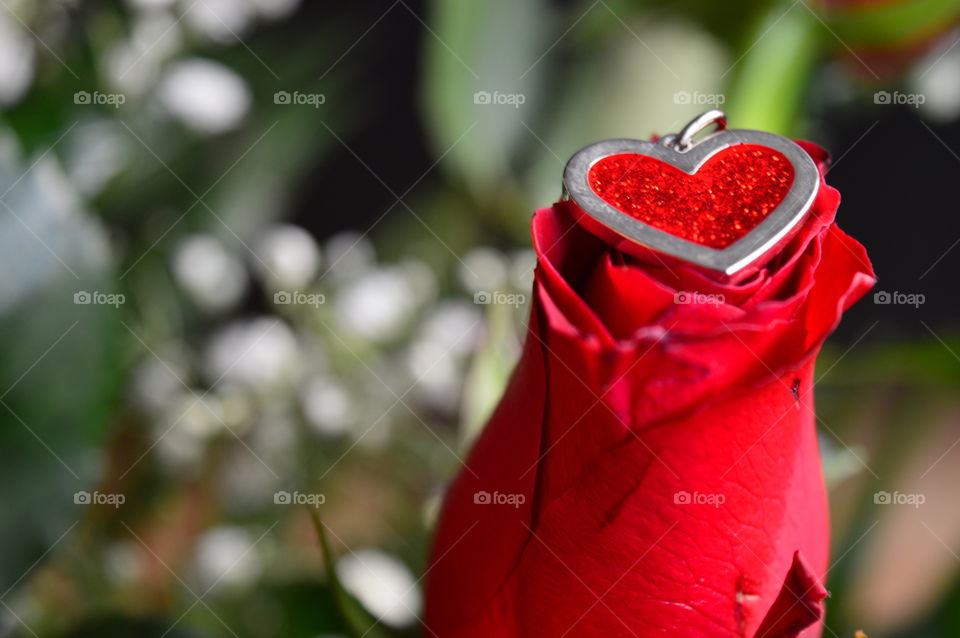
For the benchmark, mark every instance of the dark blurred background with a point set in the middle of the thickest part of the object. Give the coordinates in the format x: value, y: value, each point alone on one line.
x: 243, y: 242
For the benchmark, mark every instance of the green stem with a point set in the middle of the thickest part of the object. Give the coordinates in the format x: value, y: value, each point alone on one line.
x: 358, y: 621
x: 770, y: 80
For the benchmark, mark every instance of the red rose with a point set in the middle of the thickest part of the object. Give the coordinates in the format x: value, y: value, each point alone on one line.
x: 652, y: 469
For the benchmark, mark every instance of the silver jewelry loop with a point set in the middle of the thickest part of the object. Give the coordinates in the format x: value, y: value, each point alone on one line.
x: 683, y: 140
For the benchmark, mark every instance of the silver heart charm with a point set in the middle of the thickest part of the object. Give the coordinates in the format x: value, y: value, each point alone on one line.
x: 684, y: 153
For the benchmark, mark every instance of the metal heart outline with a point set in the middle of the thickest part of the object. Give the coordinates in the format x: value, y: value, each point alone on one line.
x: 754, y: 247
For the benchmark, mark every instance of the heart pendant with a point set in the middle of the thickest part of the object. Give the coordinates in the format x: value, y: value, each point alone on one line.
x: 725, y: 203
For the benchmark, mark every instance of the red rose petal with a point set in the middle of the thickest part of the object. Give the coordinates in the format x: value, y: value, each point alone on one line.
x: 799, y: 605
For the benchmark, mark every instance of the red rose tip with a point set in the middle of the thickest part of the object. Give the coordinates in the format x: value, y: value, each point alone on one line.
x: 799, y: 604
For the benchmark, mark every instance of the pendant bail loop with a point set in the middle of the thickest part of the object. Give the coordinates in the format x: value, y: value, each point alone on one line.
x: 683, y: 141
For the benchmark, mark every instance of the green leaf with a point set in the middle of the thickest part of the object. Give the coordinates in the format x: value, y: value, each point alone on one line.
x: 773, y: 74
x: 359, y: 621
x: 58, y: 373
x: 497, y: 47
x: 489, y: 372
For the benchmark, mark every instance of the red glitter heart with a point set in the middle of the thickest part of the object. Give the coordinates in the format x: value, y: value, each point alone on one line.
x: 720, y: 203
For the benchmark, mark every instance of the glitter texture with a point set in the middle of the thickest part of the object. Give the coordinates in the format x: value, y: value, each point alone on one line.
x: 720, y: 203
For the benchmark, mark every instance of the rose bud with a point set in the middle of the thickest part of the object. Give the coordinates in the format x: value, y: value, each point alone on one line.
x: 653, y: 467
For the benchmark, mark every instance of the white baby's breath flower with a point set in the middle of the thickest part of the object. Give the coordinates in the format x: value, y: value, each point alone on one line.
x: 382, y: 584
